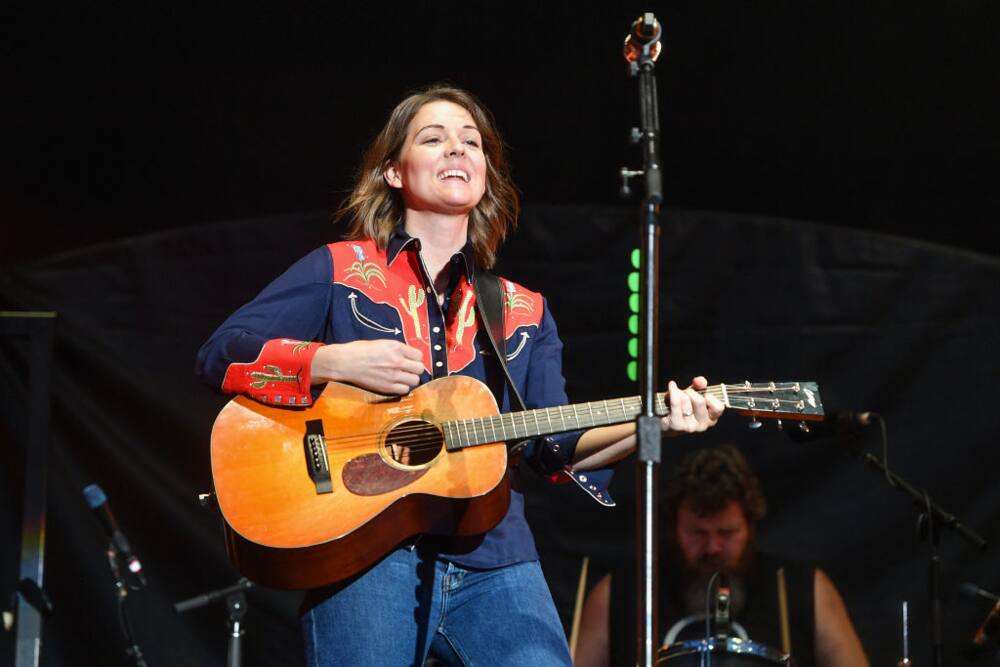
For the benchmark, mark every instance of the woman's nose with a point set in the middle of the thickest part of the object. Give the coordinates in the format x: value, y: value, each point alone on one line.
x: 455, y: 147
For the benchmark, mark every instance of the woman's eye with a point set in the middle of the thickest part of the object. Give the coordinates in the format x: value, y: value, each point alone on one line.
x: 432, y: 140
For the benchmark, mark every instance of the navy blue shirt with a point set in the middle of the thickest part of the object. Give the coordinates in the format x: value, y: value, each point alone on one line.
x: 351, y: 291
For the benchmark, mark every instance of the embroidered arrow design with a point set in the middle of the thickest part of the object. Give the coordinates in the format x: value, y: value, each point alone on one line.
x: 520, y: 346
x: 371, y: 324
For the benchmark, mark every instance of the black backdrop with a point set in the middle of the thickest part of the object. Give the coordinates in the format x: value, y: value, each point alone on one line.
x: 883, y: 323
x: 125, y: 119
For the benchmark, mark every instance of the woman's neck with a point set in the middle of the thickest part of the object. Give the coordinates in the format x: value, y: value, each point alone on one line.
x: 441, y: 236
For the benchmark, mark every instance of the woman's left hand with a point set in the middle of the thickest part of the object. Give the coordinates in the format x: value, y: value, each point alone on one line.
x: 690, y: 410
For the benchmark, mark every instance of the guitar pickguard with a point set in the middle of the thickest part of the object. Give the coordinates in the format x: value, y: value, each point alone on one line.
x: 369, y: 475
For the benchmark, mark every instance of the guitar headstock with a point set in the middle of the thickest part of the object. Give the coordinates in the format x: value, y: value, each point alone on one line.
x: 796, y: 401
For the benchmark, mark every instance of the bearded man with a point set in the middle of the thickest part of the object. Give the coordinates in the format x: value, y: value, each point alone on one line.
x: 712, y: 505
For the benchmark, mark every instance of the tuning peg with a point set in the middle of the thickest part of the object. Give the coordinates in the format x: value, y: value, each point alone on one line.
x: 754, y: 423
x: 781, y: 425
x: 804, y: 427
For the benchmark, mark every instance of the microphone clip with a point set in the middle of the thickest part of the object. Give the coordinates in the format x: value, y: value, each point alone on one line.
x: 642, y: 45
x: 722, y: 620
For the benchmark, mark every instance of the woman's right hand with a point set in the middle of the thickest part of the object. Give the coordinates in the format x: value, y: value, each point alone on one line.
x: 383, y: 366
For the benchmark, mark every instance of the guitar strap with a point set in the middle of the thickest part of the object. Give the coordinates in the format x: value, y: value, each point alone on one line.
x: 489, y: 305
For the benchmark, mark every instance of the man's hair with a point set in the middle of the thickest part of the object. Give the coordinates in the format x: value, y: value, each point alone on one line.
x: 709, y: 479
x: 373, y: 209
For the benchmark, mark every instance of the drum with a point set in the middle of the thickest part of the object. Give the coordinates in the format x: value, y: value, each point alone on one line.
x: 730, y: 652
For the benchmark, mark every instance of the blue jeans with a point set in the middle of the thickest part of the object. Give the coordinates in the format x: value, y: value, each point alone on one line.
x: 410, y: 603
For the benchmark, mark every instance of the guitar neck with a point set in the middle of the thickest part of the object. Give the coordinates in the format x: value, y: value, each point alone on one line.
x: 789, y: 400
x: 462, y: 433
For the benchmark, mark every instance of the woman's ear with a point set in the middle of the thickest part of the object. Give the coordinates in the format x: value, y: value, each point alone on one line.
x: 391, y: 175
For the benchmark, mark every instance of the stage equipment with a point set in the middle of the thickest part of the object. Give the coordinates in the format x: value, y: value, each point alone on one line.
x: 728, y: 652
x: 905, y: 660
x: 642, y: 46
x: 32, y: 605
x: 973, y: 591
x: 119, y: 552
x: 236, y: 605
x: 98, y: 502
x: 930, y: 520
x: 717, y: 648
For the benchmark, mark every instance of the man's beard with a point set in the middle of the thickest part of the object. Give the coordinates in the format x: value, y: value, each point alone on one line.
x: 691, y: 580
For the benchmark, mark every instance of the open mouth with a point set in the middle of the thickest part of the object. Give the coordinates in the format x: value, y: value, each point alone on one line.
x: 453, y: 174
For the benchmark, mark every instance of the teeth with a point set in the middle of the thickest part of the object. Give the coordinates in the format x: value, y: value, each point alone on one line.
x: 453, y: 172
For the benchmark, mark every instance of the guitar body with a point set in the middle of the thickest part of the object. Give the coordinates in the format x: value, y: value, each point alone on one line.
x: 312, y: 496
x: 390, y: 478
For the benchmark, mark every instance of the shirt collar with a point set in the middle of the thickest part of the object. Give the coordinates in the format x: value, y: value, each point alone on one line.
x: 400, y: 240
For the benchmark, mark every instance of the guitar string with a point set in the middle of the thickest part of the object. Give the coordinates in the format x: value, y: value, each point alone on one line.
x: 414, y: 436
x: 475, y: 424
x: 513, y: 419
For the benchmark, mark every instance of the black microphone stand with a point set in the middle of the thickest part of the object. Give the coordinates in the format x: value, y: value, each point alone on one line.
x: 236, y: 605
x: 932, y: 517
x: 122, y: 588
x: 641, y: 49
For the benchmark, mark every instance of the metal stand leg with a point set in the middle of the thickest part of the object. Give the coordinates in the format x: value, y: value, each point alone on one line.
x: 32, y: 605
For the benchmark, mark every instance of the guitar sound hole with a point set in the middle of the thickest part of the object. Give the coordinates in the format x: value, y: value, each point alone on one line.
x: 414, y: 443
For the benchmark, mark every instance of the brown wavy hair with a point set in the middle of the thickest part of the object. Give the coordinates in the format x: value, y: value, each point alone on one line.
x: 709, y: 479
x: 373, y: 209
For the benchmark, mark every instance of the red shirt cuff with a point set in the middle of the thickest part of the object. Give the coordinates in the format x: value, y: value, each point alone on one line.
x: 281, y: 373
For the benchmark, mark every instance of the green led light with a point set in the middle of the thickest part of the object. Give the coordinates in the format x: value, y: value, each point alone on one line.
x: 631, y: 370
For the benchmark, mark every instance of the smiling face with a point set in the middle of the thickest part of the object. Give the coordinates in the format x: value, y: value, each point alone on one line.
x: 441, y: 167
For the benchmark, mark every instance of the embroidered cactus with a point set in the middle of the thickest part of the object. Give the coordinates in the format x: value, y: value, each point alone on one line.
x: 466, y: 318
x: 271, y: 373
x: 416, y: 299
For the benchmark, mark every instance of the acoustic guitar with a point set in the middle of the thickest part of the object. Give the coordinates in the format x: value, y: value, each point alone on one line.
x: 314, y: 495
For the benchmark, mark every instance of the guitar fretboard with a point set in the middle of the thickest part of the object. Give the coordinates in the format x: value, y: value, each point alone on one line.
x: 787, y: 400
x: 462, y: 433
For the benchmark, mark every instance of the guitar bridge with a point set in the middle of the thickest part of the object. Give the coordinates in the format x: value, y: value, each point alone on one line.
x: 317, y: 461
